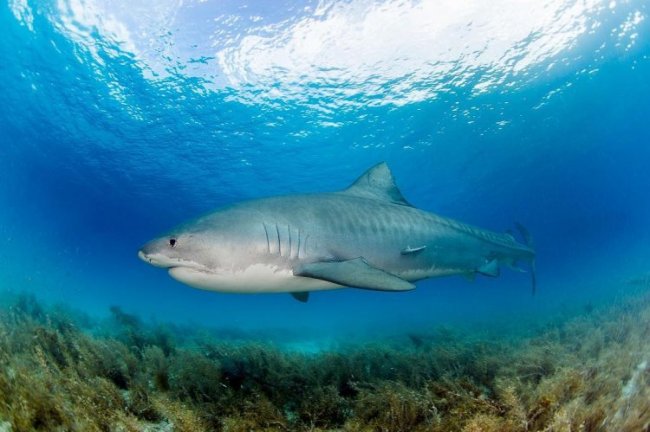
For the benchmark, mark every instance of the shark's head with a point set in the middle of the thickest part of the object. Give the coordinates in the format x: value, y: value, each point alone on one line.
x: 211, y: 243
x: 177, y: 250
x: 191, y: 257
x: 210, y: 253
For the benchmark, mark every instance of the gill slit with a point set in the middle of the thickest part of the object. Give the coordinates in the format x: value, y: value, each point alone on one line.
x: 277, y: 232
x: 298, y: 254
x: 289, y: 231
x: 268, y: 244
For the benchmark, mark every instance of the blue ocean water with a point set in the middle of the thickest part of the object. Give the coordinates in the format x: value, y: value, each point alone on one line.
x: 122, y: 119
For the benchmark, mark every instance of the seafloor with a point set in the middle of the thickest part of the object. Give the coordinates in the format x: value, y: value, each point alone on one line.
x: 61, y: 370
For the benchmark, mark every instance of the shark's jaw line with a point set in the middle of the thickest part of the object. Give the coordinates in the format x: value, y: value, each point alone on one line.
x: 160, y: 260
x: 257, y: 278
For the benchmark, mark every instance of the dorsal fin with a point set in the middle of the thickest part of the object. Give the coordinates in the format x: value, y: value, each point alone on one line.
x: 377, y: 183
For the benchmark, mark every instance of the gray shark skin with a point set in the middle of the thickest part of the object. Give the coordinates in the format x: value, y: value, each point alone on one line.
x: 366, y: 236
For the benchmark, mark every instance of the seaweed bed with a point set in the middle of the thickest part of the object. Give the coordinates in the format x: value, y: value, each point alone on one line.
x: 60, y: 370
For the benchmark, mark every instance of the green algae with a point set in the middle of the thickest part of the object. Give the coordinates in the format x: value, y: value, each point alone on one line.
x: 59, y: 370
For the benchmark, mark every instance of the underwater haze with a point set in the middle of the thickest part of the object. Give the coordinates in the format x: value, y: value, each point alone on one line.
x: 120, y: 120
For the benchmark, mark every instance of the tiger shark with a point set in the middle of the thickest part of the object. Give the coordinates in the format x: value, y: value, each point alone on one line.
x: 366, y: 236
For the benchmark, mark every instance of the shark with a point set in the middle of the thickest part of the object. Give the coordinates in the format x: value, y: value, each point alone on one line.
x: 366, y: 236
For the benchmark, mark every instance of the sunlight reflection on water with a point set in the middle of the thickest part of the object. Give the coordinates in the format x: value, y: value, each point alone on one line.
x: 345, y: 55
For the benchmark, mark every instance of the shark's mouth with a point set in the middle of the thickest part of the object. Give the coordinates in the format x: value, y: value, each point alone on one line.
x: 156, y: 260
x: 162, y: 261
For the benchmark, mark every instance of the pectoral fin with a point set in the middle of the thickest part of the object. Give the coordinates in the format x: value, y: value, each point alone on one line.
x: 490, y: 268
x: 302, y: 296
x: 355, y: 273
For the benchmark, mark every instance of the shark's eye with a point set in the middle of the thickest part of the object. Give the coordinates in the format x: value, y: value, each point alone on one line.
x: 172, y: 242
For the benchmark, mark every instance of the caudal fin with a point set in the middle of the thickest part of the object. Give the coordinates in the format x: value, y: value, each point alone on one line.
x: 528, y: 240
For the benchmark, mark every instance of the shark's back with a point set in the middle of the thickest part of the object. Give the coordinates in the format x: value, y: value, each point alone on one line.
x: 391, y: 235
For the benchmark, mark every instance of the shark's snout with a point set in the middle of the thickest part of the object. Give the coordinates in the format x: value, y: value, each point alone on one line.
x: 143, y: 256
x: 161, y: 253
x: 147, y: 257
x: 150, y: 255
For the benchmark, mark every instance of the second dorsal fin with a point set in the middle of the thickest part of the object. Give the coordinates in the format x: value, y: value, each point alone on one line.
x: 377, y: 183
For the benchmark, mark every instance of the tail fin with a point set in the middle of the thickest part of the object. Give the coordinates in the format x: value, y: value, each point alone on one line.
x: 528, y: 239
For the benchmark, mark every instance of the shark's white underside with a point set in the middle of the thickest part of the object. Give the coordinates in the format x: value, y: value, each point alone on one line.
x: 257, y: 278
x: 263, y: 278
